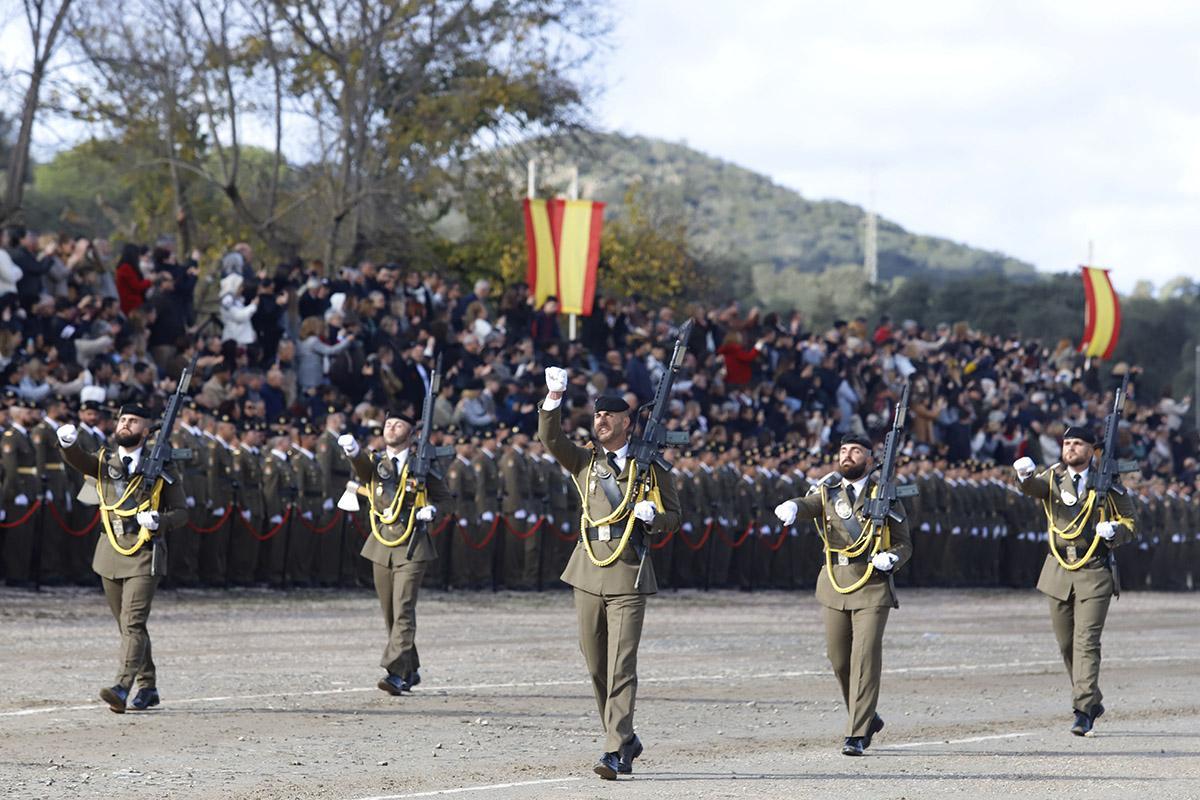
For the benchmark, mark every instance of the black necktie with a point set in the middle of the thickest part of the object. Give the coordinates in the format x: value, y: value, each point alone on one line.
x: 612, y: 460
x: 396, y: 464
x: 850, y: 493
x: 1075, y: 483
x: 126, y: 460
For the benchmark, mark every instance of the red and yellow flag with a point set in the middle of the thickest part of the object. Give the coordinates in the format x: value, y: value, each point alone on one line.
x: 542, y: 271
x: 563, y: 239
x: 1102, y: 316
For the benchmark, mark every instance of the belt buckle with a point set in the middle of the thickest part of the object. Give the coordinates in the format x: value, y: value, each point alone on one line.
x: 1072, y: 553
x: 604, y: 533
x: 842, y: 560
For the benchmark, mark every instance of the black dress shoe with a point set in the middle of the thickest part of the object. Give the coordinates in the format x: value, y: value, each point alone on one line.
x: 1083, y: 724
x: 115, y: 697
x: 144, y: 699
x: 628, y: 752
x: 412, y: 679
x: 853, y: 746
x: 876, y: 727
x: 393, y: 685
x: 1097, y: 712
x: 607, y: 767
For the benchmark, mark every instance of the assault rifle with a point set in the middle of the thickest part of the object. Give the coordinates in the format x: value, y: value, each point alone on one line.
x: 646, y: 448
x: 154, y: 465
x: 424, y: 463
x: 1111, y: 467
x: 882, y: 506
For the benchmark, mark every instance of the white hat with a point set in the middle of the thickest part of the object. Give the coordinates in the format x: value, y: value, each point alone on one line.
x: 95, y: 394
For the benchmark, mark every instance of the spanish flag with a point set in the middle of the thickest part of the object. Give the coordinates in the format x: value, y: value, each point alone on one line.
x: 563, y: 239
x: 542, y: 271
x: 1102, y: 317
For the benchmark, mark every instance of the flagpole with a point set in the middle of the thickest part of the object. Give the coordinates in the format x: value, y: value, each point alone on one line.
x: 572, y: 194
x: 531, y: 174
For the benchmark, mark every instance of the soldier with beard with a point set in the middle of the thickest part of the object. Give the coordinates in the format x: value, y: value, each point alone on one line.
x: 130, y: 554
x: 1075, y: 575
x: 604, y: 568
x: 853, y: 588
x: 396, y: 514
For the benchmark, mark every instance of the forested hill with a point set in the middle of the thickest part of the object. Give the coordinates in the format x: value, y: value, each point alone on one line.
x: 733, y: 210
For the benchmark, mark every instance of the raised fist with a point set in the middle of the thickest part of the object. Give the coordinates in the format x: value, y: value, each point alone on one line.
x: 67, y: 434
x: 348, y: 444
x: 787, y: 512
x: 556, y: 379
x: 1024, y: 467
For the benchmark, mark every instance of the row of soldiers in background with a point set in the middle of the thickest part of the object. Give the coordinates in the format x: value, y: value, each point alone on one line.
x: 262, y: 510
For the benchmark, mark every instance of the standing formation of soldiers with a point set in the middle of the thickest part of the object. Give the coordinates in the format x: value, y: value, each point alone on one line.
x: 261, y: 503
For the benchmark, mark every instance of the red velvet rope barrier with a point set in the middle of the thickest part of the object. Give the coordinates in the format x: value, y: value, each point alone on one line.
x: 262, y: 537
x: 778, y: 543
x: 62, y: 523
x: 214, y: 528
x: 741, y: 539
x: 569, y: 536
x: 526, y: 534
x: 663, y: 541
x: 708, y: 529
x: 484, y: 543
x: 436, y: 532
x: 324, y: 529
x: 36, y: 505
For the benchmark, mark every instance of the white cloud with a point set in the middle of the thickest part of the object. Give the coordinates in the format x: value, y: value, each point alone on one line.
x: 1023, y: 127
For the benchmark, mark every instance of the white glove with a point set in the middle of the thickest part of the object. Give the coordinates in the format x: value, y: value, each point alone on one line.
x: 687, y: 526
x: 556, y: 379
x: 190, y: 502
x: 49, y: 496
x: 216, y: 512
x: 307, y: 515
x: 1024, y: 467
x: 21, y: 500
x: 487, y: 516
x: 348, y: 444
x: 566, y: 527
x: 531, y: 515
x: 1106, y: 530
x: 148, y: 520
x: 425, y: 513
x: 645, y: 511
x: 708, y: 520
x: 787, y: 512
x: 328, y: 504
x: 884, y: 561
x: 519, y: 514
x: 462, y: 523
x: 276, y: 519
x: 764, y: 530
x: 67, y: 434
x: 3, y: 515
x: 246, y: 514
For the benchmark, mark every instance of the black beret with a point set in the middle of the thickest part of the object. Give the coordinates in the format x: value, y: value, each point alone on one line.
x: 91, y: 405
x: 400, y: 415
x: 1082, y: 434
x: 611, y: 404
x: 858, y: 439
x: 134, y: 410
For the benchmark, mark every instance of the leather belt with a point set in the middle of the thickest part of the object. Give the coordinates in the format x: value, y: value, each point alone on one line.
x: 615, y: 533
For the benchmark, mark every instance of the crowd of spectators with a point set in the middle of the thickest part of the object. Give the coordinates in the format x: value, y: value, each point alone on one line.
x: 295, y: 339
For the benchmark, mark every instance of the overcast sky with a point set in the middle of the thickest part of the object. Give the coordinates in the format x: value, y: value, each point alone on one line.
x: 1025, y: 127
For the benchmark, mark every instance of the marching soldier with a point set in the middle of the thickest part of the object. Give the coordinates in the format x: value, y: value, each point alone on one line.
x: 130, y: 553
x: 604, y: 568
x: 853, y: 588
x: 1076, y: 575
x: 397, y: 513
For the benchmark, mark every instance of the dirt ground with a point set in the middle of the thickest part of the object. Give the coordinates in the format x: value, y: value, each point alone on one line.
x: 271, y: 695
